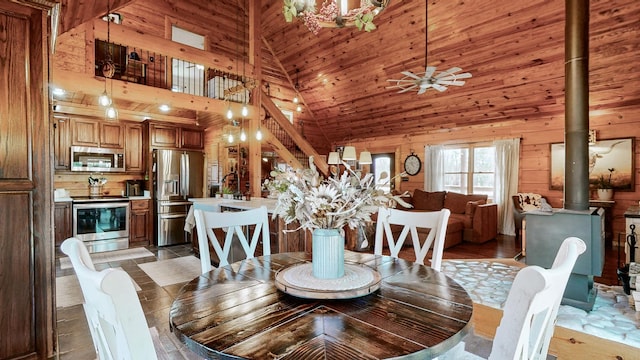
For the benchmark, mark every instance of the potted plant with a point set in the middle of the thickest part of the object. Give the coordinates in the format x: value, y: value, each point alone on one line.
x: 227, y: 193
x: 605, y: 186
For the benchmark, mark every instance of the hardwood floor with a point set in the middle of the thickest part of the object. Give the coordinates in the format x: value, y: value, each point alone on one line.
x: 74, y: 340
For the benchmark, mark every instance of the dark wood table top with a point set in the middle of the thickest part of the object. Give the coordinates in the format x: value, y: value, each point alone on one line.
x: 237, y: 312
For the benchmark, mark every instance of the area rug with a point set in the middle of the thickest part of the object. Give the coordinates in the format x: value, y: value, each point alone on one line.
x: 172, y: 271
x: 69, y: 293
x: 489, y: 281
x: 108, y: 256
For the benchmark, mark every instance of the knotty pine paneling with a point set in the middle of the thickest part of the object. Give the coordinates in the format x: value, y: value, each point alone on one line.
x: 536, y: 138
x: 78, y: 183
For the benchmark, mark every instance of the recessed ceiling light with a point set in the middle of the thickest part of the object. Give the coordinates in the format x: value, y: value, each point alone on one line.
x: 58, y: 92
x: 164, y: 107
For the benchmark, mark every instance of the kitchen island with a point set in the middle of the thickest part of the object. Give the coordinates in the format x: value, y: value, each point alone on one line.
x: 284, y: 238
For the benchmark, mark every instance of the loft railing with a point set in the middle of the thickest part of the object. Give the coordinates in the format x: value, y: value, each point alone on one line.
x: 157, y: 70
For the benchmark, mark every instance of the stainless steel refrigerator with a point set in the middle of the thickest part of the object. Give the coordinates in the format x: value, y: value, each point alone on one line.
x: 177, y: 176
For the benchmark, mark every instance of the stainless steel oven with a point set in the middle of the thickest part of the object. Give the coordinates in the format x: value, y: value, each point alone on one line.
x: 101, y: 223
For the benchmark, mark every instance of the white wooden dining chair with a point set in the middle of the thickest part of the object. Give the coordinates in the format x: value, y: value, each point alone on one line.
x: 411, y: 221
x: 116, y: 321
x: 239, y: 226
x: 530, y: 311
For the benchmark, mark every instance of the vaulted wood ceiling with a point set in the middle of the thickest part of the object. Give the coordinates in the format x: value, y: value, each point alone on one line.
x: 513, y: 49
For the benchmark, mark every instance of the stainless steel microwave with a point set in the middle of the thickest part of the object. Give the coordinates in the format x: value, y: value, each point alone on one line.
x: 96, y: 159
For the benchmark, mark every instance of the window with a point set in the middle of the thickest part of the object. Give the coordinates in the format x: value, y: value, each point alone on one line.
x: 470, y: 169
x: 187, y: 77
x: 382, y: 169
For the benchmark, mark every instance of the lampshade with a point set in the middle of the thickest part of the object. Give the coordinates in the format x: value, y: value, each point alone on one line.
x: 365, y: 158
x: 334, y: 158
x: 349, y: 153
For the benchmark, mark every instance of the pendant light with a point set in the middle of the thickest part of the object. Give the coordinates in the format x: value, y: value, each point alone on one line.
x: 108, y: 70
x: 296, y: 87
x: 229, y: 112
x: 245, y: 108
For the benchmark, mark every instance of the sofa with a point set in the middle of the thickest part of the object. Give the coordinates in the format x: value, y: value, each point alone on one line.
x: 472, y: 218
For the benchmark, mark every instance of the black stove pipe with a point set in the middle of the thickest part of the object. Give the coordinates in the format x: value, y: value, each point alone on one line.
x: 576, y: 173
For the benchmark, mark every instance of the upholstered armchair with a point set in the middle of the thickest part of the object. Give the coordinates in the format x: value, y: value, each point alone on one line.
x: 523, y: 202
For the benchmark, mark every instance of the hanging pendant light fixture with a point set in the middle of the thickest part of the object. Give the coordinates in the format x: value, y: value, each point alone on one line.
x: 297, y: 88
x: 111, y: 113
x: 104, y: 99
x: 108, y: 70
x: 229, y: 111
x: 245, y: 108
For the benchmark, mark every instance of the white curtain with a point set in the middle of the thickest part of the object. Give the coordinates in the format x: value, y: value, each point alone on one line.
x: 434, y: 168
x: 507, y: 166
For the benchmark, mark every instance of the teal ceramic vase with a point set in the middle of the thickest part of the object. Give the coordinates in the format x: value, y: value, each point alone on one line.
x: 327, y: 253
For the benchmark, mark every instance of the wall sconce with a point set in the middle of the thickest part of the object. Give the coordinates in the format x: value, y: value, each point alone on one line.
x: 592, y: 137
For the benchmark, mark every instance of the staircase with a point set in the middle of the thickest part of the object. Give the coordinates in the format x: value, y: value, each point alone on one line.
x: 286, y: 141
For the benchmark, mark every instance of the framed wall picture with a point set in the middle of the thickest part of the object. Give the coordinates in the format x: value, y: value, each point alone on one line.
x: 616, y: 154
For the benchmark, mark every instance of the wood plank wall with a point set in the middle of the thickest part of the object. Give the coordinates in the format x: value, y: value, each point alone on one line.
x: 78, y: 184
x: 535, y: 150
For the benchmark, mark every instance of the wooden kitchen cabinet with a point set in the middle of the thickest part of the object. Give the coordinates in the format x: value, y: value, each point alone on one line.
x: 61, y: 143
x: 111, y: 135
x: 134, y: 148
x: 164, y: 136
x: 141, y: 223
x: 191, y: 138
x: 85, y: 132
x: 175, y: 137
x: 62, y: 222
x: 91, y: 132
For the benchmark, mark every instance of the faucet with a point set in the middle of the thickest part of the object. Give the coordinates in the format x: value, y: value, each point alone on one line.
x: 224, y: 178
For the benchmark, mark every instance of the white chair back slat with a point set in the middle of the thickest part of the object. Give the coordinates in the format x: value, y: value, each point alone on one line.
x: 116, y: 321
x: 235, y: 224
x: 411, y: 221
x: 532, y: 305
x: 531, y: 309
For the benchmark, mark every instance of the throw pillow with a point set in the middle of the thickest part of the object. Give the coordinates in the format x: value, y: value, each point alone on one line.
x: 529, y: 201
x: 430, y: 201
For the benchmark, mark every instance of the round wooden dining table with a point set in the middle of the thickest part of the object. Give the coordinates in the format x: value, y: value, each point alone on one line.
x: 237, y: 311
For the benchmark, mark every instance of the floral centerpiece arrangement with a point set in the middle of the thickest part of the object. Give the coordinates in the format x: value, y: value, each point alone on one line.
x: 318, y: 203
x: 325, y: 207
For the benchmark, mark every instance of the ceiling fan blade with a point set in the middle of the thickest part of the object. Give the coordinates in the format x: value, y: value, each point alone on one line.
x: 439, y: 87
x: 455, y: 76
x: 448, y: 72
x: 428, y: 72
x: 403, y: 80
x: 410, y: 74
x: 423, y: 90
x: 407, y: 89
x: 448, y: 82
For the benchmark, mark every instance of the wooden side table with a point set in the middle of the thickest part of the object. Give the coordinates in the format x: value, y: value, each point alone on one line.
x: 607, y: 205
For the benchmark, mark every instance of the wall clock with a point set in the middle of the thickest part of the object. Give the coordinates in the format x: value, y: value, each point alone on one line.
x: 412, y: 164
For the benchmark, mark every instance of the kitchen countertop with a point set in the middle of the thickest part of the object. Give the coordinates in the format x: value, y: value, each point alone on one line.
x: 139, y: 197
x: 214, y: 204
x: 70, y: 199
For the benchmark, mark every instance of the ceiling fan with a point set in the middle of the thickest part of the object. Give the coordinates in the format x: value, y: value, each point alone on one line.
x: 423, y: 81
